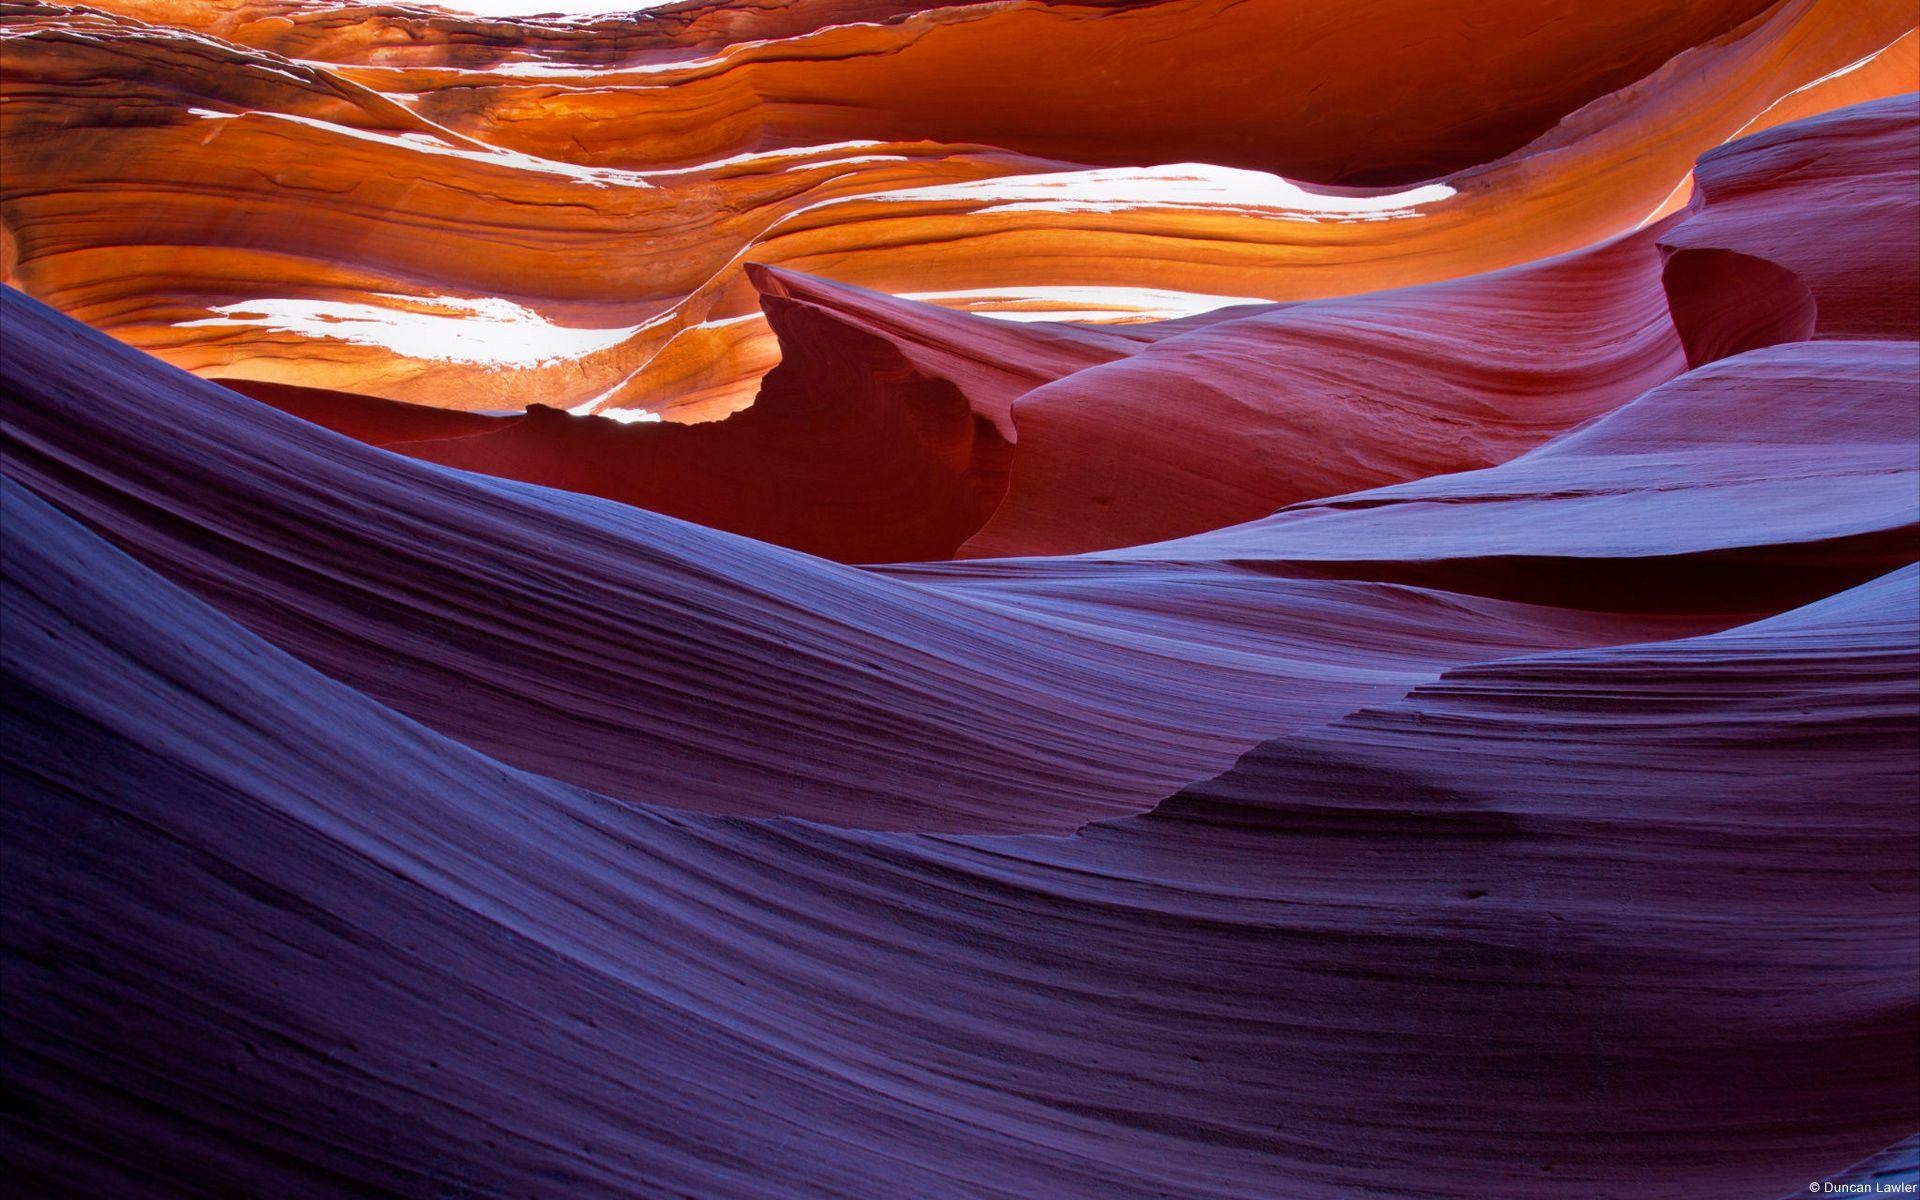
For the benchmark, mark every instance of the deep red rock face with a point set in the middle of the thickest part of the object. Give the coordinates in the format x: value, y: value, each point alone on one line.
x: 870, y: 598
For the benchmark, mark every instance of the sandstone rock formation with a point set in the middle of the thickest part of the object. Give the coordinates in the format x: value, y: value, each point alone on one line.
x: 868, y: 598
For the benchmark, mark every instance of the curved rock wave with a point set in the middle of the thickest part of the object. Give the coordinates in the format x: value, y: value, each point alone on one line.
x: 1362, y: 919
x: 660, y: 661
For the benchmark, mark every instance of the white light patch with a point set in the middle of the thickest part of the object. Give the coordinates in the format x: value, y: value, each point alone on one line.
x: 485, y: 332
x: 1088, y: 305
x: 548, y: 8
x: 825, y: 154
x: 625, y: 416
x: 1188, y: 185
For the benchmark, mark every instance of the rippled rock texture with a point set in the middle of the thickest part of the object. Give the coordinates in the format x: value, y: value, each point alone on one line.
x: 1219, y: 599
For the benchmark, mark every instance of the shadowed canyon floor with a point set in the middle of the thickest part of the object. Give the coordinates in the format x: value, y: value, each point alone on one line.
x: 895, y: 598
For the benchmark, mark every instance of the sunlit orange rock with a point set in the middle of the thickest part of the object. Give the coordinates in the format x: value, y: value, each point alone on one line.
x: 252, y: 216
